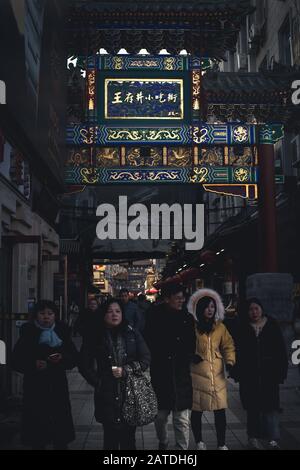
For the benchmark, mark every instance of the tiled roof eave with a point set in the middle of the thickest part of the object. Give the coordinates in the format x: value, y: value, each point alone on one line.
x: 169, y: 7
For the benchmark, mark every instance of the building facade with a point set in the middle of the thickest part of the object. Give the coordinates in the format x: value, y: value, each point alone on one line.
x: 31, y: 154
x: 269, y: 41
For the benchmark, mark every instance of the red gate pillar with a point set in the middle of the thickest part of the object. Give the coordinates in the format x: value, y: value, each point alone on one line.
x: 267, y: 209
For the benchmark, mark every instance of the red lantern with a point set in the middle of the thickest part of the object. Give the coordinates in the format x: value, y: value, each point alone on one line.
x: 152, y: 291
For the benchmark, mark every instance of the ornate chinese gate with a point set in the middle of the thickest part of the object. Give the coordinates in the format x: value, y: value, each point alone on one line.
x: 144, y: 125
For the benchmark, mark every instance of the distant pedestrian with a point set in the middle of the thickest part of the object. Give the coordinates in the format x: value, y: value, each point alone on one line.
x: 43, y: 354
x: 262, y: 365
x: 117, y: 350
x: 131, y: 310
x: 214, y: 350
x: 73, y: 315
x: 231, y: 320
x: 88, y: 320
x: 143, y: 305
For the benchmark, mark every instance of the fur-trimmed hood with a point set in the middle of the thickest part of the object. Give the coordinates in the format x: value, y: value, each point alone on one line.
x: 199, y: 294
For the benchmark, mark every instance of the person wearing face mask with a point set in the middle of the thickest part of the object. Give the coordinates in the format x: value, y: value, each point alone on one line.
x: 214, y: 348
x: 43, y: 354
x: 262, y: 365
x: 116, y: 348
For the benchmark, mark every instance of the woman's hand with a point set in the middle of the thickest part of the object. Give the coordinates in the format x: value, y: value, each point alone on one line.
x: 117, y: 372
x: 55, y: 358
x: 230, y: 370
x: 41, y: 365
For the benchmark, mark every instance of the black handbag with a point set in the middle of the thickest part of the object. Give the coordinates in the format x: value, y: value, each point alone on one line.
x: 140, y: 403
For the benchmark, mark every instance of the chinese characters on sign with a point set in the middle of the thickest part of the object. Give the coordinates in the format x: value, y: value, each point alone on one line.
x: 144, y: 99
x: 91, y: 89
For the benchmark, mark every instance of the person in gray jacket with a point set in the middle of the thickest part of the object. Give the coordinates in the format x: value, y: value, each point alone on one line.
x: 131, y: 310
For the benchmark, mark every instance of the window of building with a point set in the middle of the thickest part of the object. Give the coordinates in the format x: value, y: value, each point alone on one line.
x: 284, y: 37
x: 264, y: 64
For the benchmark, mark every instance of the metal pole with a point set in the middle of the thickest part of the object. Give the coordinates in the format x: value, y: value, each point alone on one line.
x: 39, y: 270
x: 60, y: 308
x: 267, y: 209
x: 66, y: 288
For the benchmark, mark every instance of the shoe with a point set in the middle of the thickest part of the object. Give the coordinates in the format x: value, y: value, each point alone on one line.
x: 223, y: 448
x: 273, y: 445
x: 201, y: 446
x: 162, y: 446
x: 254, y: 444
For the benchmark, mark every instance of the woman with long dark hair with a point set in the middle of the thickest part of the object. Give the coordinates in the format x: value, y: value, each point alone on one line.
x: 116, y: 347
x: 214, y: 349
x: 262, y: 365
x: 43, y: 354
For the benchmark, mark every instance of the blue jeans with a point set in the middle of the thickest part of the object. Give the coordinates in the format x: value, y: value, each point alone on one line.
x: 263, y: 425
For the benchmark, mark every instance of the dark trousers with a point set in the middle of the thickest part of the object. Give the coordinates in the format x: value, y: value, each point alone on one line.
x: 56, y: 446
x: 263, y: 425
x: 254, y: 425
x: 220, y: 423
x: 119, y: 438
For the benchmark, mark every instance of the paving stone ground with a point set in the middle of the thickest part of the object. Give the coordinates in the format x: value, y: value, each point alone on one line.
x: 89, y: 435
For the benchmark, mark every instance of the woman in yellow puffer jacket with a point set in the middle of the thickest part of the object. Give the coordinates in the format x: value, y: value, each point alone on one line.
x: 214, y: 348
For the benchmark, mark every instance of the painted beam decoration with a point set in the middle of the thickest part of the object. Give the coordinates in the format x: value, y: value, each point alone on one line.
x: 197, y: 175
x: 166, y: 63
x: 201, y: 134
x: 104, y: 135
x: 271, y: 133
x: 160, y: 63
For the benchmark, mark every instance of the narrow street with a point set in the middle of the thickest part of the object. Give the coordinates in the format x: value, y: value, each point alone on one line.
x: 89, y: 435
x: 150, y: 208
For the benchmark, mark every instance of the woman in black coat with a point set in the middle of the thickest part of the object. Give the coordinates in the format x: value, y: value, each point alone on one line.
x: 117, y: 346
x: 262, y: 365
x: 43, y: 353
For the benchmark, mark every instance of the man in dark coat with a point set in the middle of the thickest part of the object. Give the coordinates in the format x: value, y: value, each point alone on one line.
x: 47, y: 414
x: 170, y: 334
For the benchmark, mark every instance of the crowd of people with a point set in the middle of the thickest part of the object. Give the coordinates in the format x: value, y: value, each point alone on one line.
x: 185, y: 346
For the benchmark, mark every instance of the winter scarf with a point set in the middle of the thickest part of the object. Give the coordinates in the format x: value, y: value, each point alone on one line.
x: 48, y: 336
x: 116, y: 344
